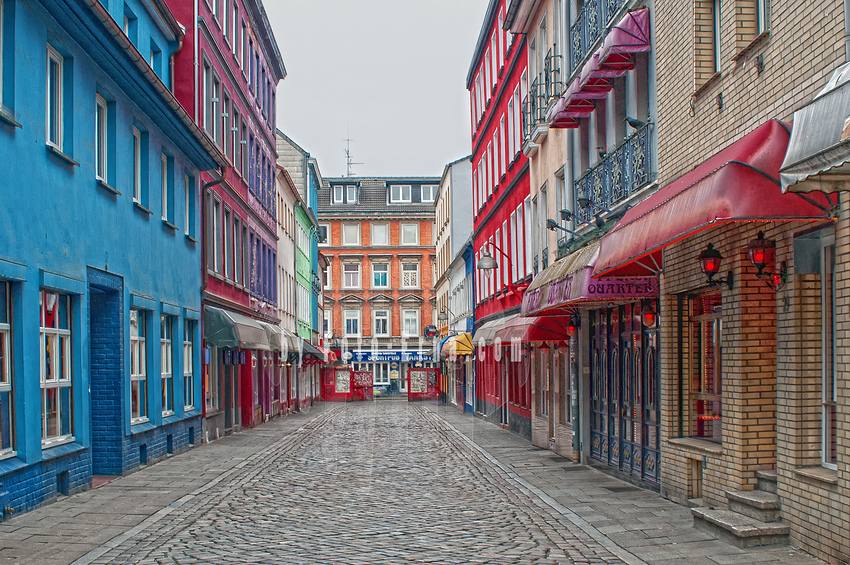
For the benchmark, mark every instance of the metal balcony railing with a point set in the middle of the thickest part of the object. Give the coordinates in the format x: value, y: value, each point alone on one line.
x: 552, y: 84
x: 543, y: 89
x: 621, y: 173
x: 545, y: 261
x: 535, y: 264
x: 589, y: 27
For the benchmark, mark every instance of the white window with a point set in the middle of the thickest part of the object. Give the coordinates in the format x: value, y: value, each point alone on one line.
x: 164, y: 179
x: 513, y: 251
x: 328, y: 277
x: 338, y: 194
x: 410, y: 234
x: 7, y: 429
x: 410, y: 321
x: 166, y: 364
x: 429, y: 192
x: 829, y: 354
x: 100, y: 140
x: 189, y: 365
x: 399, y: 193
x: 328, y: 324
x: 217, y: 236
x: 189, y: 205
x: 351, y: 194
x: 351, y: 234
x: 55, y: 95
x: 138, y: 367
x: 380, y: 234
x: 351, y: 275
x: 527, y: 236
x: 57, y: 393
x: 503, y: 161
x: 380, y: 275
x: 324, y: 235
x: 235, y: 31
x: 228, y: 243
x: 410, y: 275
x: 352, y: 322
x: 382, y: 323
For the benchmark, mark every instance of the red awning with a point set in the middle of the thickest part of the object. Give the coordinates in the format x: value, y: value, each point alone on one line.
x: 330, y: 356
x: 521, y: 328
x: 592, y: 71
x: 629, y: 36
x: 740, y: 183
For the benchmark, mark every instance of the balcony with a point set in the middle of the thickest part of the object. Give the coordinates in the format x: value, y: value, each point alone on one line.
x: 620, y: 174
x: 544, y: 89
x: 589, y: 27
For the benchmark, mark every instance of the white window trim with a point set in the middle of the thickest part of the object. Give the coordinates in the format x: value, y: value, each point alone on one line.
x: 188, y: 367
x: 53, y: 55
x: 404, y: 318
x: 54, y: 335
x: 401, y: 198
x: 418, y: 282
x: 372, y: 233
x: 401, y: 235
x: 137, y: 165
x: 387, y: 265
x: 375, y: 323
x: 344, y: 273
x: 432, y: 192
x: 5, y: 337
x: 142, y: 375
x: 356, y: 316
x: 166, y: 356
x: 188, y: 194
x: 327, y: 241
x: 164, y: 180
x: 350, y: 243
x: 351, y: 194
x: 339, y: 193
x: 101, y: 148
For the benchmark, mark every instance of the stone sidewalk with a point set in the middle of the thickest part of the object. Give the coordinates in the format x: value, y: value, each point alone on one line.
x: 637, y: 525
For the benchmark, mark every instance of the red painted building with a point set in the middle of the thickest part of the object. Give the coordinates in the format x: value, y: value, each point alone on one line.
x: 226, y: 77
x: 497, y: 81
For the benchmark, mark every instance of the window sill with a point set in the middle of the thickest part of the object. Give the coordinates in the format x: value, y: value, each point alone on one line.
x: 102, y: 184
x: 7, y: 118
x: 139, y: 208
x: 751, y: 45
x: 55, y: 151
x: 820, y: 474
x: 191, y: 239
x: 697, y: 444
x: 141, y: 427
x: 59, y: 448
x: 168, y: 225
x: 705, y: 86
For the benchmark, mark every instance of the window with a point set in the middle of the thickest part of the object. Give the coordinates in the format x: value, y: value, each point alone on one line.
x: 706, y: 40
x: 338, y: 193
x: 138, y: 367
x: 55, y: 98
x: 155, y: 60
x: 351, y: 275
x: 167, y: 363
x: 380, y: 275
x: 224, y: 14
x: 228, y: 243
x: 410, y: 321
x: 140, y: 169
x: 323, y: 235
x: 226, y: 126
x: 328, y: 324
x: 429, y: 192
x: 101, y: 138
x: 189, y: 365
x: 131, y: 27
x: 382, y: 323
x: 7, y: 409
x: 351, y: 194
x: 235, y: 32
x: 410, y: 275
x: 236, y: 131
x: 351, y: 234
x: 762, y: 16
x: 706, y: 330
x: 216, y: 236
x: 410, y: 234
x: 327, y: 276
x: 399, y: 193
x: 167, y: 170
x: 352, y: 322
x: 380, y: 234
x: 189, y: 208
x: 215, y: 118
x: 57, y: 394
x: 829, y: 386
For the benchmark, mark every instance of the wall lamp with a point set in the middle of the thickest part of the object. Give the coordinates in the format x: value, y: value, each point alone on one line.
x: 762, y: 252
x: 709, y: 262
x: 553, y: 225
x: 443, y: 316
x: 585, y: 202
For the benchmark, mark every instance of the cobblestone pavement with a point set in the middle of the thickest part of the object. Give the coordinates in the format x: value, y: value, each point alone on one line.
x: 377, y: 482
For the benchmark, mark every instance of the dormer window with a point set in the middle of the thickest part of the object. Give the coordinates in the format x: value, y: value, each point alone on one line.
x: 351, y: 194
x: 429, y: 192
x: 338, y: 194
x: 399, y: 193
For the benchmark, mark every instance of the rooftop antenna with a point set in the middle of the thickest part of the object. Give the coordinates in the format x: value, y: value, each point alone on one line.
x: 349, y: 160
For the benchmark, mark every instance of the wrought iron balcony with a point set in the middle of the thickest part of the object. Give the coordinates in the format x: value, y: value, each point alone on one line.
x: 535, y: 264
x: 621, y: 173
x: 546, y: 87
x: 545, y: 262
x: 589, y: 27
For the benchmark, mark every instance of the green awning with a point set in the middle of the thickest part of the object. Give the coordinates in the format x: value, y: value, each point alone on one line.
x: 223, y: 328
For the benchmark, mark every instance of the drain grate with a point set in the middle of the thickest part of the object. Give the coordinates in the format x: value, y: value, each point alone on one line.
x: 576, y: 468
x: 622, y: 489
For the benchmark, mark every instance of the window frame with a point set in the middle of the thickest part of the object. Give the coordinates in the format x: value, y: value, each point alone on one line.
x: 405, y: 319
x: 829, y: 354
x: 372, y: 232
x: 7, y: 377
x: 139, y: 367
x: 401, y: 237
x: 386, y: 275
x: 384, y: 317
x: 166, y: 364
x: 346, y: 273
x: 188, y: 365
x: 351, y: 315
x: 405, y: 267
x: 338, y: 194
x: 344, y: 239
x: 62, y: 338
x: 53, y: 56
x: 401, y: 198
x: 101, y: 137
x: 351, y: 194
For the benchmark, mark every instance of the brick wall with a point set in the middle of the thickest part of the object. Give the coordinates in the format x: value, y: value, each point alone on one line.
x: 107, y: 382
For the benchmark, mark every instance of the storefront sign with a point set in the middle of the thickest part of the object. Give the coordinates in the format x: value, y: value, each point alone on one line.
x: 387, y: 355
x: 580, y: 286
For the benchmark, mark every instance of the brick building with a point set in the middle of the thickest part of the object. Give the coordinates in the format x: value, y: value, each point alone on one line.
x: 379, y: 283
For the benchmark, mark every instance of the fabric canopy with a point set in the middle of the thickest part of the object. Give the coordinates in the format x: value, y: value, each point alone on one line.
x: 740, y: 183
x: 487, y: 332
x: 277, y: 339
x: 308, y: 348
x: 525, y: 329
x: 223, y: 328
x: 438, y: 347
x: 629, y: 36
x: 460, y: 344
x: 329, y: 356
x: 567, y: 282
x: 818, y: 157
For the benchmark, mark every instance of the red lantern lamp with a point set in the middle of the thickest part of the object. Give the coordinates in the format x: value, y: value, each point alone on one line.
x: 572, y: 327
x: 709, y: 262
x: 762, y: 252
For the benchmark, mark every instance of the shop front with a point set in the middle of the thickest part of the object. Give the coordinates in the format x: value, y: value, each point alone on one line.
x: 389, y: 366
x: 456, y: 354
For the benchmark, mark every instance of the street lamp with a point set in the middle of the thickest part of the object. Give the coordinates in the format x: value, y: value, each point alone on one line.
x: 553, y: 225
x: 762, y: 252
x: 335, y: 340
x: 709, y: 262
x: 487, y: 263
x: 585, y: 202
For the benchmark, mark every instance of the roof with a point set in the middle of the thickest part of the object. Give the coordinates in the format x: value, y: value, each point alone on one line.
x: 372, y: 196
x: 483, y: 39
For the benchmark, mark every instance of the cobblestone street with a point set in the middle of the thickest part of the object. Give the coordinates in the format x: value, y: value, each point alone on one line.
x: 379, y: 482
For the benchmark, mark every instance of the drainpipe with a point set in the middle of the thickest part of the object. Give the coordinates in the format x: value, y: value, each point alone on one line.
x: 174, y: 54
x: 222, y: 173
x: 195, y: 48
x: 847, y: 30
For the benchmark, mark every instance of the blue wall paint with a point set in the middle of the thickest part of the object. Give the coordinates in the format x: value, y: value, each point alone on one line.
x: 65, y: 229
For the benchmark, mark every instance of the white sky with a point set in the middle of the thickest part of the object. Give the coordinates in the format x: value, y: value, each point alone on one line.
x: 389, y: 74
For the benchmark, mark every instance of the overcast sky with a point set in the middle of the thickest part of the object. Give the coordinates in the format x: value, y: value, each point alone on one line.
x: 389, y: 74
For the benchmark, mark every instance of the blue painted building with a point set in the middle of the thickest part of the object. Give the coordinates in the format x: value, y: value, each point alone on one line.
x: 100, y: 265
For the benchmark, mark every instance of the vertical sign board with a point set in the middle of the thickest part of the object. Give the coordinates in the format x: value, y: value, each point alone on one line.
x: 362, y: 385
x: 422, y: 384
x: 336, y: 384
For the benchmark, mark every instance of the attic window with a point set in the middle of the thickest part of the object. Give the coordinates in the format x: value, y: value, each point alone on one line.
x: 351, y: 194
x: 338, y: 194
x: 399, y: 193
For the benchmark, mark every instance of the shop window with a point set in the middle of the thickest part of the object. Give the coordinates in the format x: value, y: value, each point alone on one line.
x: 189, y: 365
x: 138, y: 367
x: 706, y: 375
x: 7, y: 417
x: 167, y: 363
x: 56, y: 373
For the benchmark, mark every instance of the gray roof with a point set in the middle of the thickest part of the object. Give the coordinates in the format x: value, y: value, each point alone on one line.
x: 372, y: 196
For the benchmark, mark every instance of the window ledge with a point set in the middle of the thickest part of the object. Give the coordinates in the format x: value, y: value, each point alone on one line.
x: 7, y: 117
x: 704, y: 86
x: 141, y: 427
x: 697, y: 444
x: 751, y: 45
x: 105, y: 186
x: 60, y: 448
x: 170, y: 226
x: 55, y: 151
x: 191, y: 239
x: 821, y: 474
x: 139, y: 208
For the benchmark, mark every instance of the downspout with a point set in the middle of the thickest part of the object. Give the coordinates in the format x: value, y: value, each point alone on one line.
x: 204, y: 277
x: 195, y: 48
x: 174, y: 54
